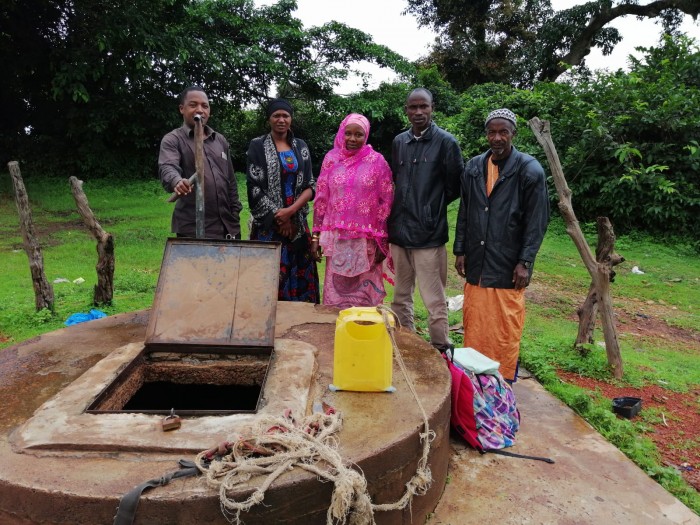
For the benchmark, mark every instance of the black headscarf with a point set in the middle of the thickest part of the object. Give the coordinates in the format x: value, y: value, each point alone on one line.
x: 278, y: 103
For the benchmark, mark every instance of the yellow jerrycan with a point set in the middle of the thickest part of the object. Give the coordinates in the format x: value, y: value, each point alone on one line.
x: 362, y: 353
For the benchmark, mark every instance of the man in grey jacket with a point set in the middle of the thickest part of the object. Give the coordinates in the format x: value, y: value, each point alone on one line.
x: 502, y: 220
x: 426, y: 165
x: 176, y: 164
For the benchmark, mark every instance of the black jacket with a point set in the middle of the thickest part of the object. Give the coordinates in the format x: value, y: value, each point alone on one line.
x: 494, y: 233
x: 426, y: 176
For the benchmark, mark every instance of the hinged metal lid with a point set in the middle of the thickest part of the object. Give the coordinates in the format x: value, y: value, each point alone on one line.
x: 216, y: 295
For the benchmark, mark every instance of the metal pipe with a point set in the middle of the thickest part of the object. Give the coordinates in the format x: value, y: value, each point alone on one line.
x: 199, y: 167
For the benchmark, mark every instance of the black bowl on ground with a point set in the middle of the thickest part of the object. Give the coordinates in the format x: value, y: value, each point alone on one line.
x: 627, y: 407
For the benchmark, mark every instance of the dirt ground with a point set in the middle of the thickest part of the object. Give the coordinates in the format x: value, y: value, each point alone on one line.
x: 676, y: 435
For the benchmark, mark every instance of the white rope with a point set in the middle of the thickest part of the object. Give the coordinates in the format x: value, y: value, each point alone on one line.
x: 277, y: 446
x: 280, y: 444
x: 423, y: 478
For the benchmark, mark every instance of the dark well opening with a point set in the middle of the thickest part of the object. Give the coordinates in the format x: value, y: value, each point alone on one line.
x: 191, y: 384
x: 164, y: 395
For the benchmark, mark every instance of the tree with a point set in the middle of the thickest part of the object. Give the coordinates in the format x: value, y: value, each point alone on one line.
x: 627, y: 140
x: 92, y: 85
x: 521, y: 41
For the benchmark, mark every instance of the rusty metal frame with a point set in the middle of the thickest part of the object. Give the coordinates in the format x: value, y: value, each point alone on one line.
x: 213, y: 297
x: 140, y: 361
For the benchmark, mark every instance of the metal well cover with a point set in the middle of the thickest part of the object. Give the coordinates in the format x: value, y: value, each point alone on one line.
x: 215, y: 294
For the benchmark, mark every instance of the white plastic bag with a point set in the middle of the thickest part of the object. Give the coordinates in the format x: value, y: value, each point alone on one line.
x: 455, y: 303
x: 475, y: 361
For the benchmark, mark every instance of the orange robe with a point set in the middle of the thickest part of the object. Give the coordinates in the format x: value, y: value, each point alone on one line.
x: 493, y: 318
x: 493, y: 324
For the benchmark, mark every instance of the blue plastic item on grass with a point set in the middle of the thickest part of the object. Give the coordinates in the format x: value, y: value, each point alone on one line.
x: 82, y: 317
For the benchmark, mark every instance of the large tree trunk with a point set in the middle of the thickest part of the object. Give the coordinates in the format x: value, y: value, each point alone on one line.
x: 588, y: 312
x: 43, y: 291
x: 583, y: 39
x: 104, y: 289
x: 600, y: 273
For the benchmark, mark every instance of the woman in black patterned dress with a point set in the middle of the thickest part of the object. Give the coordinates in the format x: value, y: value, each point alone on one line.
x: 280, y: 184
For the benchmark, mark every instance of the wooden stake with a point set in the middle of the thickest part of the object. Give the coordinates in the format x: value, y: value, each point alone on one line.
x: 588, y: 311
x: 600, y: 273
x: 43, y: 291
x: 104, y: 289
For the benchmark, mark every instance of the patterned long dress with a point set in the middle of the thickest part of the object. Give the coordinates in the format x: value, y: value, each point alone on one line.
x: 298, y: 273
x: 354, y: 193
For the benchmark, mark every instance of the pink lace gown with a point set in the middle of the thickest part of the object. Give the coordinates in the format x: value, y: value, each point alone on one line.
x: 354, y: 193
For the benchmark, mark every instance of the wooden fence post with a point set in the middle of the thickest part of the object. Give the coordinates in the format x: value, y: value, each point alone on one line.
x: 43, y: 291
x: 199, y: 167
x: 600, y: 273
x: 104, y: 289
x: 588, y: 311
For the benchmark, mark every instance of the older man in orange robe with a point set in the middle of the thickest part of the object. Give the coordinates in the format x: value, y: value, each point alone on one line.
x: 502, y: 220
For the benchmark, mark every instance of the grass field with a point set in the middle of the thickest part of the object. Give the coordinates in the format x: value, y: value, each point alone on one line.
x: 137, y: 214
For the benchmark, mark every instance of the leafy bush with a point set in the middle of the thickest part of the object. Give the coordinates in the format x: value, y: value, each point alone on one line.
x: 627, y: 141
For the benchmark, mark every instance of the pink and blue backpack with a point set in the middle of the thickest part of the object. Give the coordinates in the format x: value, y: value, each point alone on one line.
x: 484, y: 411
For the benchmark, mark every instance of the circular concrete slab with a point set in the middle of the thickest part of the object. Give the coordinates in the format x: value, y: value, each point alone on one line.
x: 59, y: 465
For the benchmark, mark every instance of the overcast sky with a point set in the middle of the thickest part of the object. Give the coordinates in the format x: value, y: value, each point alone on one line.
x: 383, y: 20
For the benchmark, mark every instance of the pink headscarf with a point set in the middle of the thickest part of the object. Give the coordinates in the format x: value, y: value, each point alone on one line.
x: 339, y: 142
x: 339, y: 150
x: 354, y: 191
x: 354, y: 194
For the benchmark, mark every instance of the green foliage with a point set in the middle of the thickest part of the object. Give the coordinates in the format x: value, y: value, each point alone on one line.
x: 138, y: 217
x: 651, y: 416
x: 317, y: 121
x: 639, y: 127
x: 483, y: 41
x: 626, y: 141
x: 384, y: 106
x: 93, y: 86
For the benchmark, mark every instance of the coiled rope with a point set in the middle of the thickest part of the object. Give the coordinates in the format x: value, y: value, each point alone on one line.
x: 280, y: 444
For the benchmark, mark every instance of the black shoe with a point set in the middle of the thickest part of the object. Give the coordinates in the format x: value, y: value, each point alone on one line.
x: 445, y: 348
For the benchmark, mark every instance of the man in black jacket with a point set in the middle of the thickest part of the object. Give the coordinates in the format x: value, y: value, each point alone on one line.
x: 426, y: 165
x: 502, y: 220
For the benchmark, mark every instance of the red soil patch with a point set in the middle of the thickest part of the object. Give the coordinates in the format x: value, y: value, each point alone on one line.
x: 678, y: 440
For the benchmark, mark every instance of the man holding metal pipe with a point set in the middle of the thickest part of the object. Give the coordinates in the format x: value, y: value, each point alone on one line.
x: 176, y: 165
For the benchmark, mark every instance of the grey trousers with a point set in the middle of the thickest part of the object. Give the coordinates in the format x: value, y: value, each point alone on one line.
x: 429, y: 267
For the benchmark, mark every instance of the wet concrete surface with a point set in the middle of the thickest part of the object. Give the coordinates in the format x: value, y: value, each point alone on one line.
x: 592, y: 482
x: 59, y: 465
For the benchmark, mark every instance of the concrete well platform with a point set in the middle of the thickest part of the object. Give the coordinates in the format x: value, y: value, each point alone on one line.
x: 59, y: 465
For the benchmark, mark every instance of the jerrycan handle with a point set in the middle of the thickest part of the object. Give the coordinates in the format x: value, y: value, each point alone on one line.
x: 388, y: 315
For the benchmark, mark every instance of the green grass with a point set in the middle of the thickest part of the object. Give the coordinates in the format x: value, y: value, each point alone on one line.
x: 671, y: 278
x: 137, y: 214
x: 138, y: 217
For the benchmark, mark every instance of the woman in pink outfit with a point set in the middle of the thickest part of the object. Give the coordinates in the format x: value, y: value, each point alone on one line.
x: 354, y: 193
